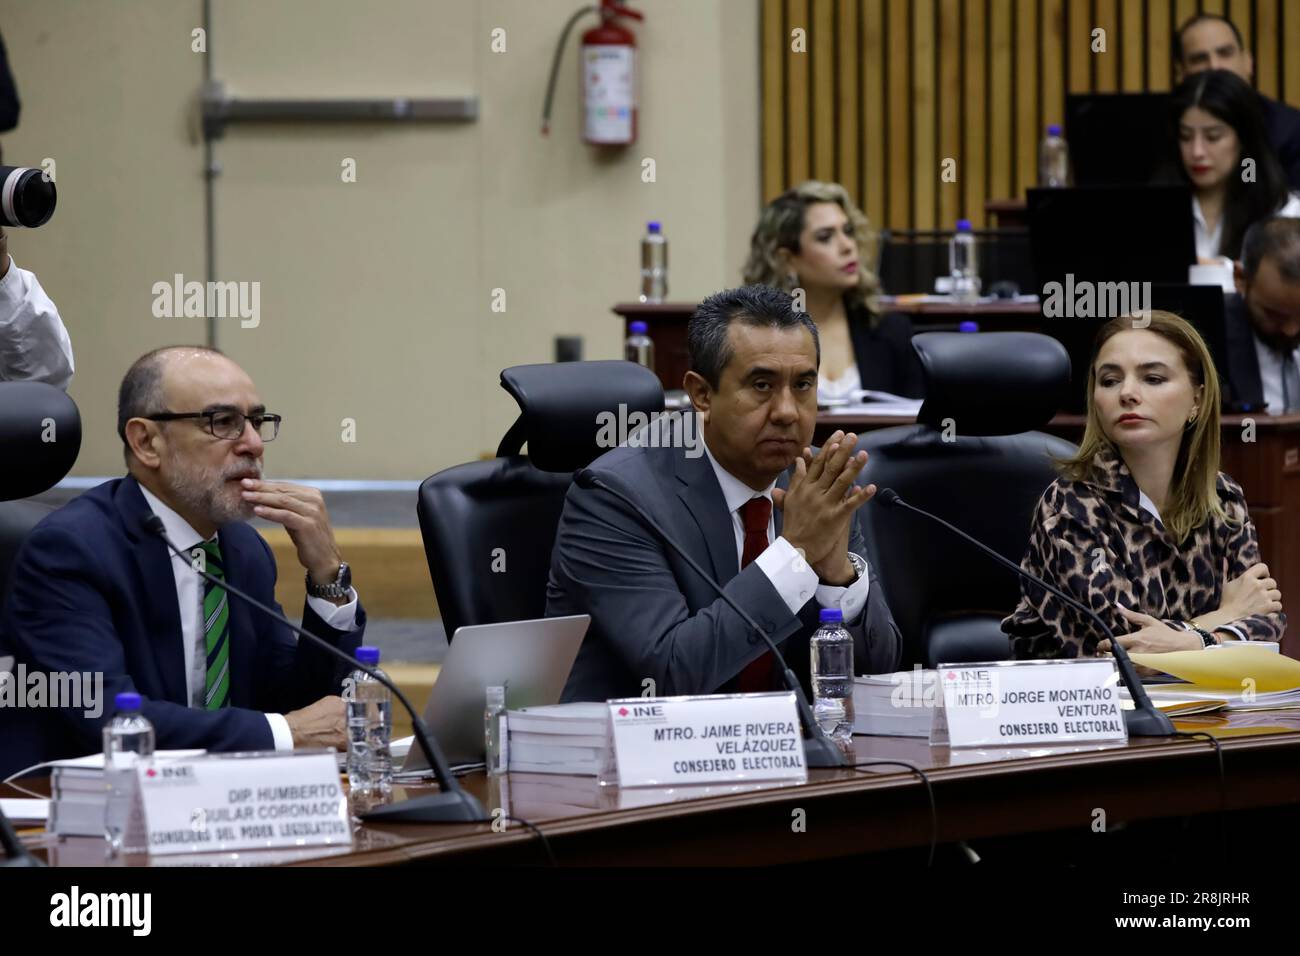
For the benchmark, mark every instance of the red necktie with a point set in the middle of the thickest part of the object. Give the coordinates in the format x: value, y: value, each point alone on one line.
x: 755, y: 513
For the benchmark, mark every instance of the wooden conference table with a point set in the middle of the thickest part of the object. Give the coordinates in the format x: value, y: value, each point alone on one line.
x: 978, y: 794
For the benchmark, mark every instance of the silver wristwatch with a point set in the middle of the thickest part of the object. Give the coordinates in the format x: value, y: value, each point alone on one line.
x: 338, y: 588
x: 859, y: 563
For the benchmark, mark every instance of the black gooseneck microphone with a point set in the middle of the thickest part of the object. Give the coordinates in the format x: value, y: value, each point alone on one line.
x: 819, y: 750
x: 453, y: 804
x: 1145, y: 719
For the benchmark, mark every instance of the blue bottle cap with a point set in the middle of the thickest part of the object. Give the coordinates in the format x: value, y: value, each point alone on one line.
x: 968, y: 326
x: 637, y: 328
x: 831, y: 615
x: 368, y: 655
x: 127, y: 700
x: 963, y: 225
x: 652, y: 226
x: 1053, y: 130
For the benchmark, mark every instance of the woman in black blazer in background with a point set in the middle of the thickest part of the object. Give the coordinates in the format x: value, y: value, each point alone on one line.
x: 814, y: 238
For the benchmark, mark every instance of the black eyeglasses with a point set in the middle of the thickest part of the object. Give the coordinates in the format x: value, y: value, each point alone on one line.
x: 227, y: 423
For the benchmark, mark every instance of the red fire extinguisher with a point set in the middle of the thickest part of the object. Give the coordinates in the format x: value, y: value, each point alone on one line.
x: 607, y: 60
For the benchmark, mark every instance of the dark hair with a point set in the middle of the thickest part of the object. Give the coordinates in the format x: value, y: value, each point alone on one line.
x: 141, y: 391
x: 755, y: 305
x: 1277, y: 239
x: 1228, y: 97
x: 1201, y: 18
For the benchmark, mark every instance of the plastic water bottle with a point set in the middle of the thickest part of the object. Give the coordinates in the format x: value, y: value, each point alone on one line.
x: 654, y: 264
x: 639, y: 348
x: 128, y: 743
x: 370, y: 730
x: 832, y: 676
x: 1053, y: 159
x: 494, y: 731
x: 963, y: 263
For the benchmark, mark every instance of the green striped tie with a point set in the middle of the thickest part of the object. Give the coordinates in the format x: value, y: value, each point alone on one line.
x: 216, y: 620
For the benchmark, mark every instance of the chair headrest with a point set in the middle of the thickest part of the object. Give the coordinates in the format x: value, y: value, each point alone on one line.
x: 40, y: 437
x: 561, y: 407
x: 992, y: 383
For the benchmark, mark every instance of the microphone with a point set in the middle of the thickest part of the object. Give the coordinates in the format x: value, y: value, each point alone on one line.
x: 1145, y: 719
x: 819, y: 750
x: 453, y: 804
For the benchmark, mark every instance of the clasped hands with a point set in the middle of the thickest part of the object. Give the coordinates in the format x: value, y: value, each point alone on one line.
x: 818, y: 506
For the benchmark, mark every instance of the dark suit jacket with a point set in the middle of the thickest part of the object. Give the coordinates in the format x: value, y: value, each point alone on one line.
x: 91, y: 591
x: 886, y: 360
x: 654, y: 617
x: 1283, y: 125
x: 1244, y: 383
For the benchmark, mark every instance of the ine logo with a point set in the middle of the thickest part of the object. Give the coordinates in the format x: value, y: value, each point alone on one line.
x: 75, y: 909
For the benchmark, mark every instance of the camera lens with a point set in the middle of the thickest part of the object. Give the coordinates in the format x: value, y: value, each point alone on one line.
x: 26, y: 197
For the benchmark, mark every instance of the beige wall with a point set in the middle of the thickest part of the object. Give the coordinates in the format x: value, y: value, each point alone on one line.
x: 375, y: 295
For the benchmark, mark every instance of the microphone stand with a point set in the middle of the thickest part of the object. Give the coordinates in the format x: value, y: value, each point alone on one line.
x: 819, y: 750
x: 1145, y: 719
x: 453, y: 804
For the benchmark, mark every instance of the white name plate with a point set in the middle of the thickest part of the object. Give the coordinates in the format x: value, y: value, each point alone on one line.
x: 668, y: 741
x: 1029, y: 702
x: 244, y: 802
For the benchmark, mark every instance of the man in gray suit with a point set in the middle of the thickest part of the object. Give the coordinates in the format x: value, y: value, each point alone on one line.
x: 773, y: 523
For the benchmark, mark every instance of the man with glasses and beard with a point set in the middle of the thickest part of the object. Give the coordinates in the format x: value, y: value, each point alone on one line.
x: 1263, y: 320
x: 93, y: 591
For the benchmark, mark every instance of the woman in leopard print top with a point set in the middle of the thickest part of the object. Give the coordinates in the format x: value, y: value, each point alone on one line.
x: 1142, y: 527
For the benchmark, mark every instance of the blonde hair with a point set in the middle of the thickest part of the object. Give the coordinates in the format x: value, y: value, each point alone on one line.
x: 1193, y: 489
x: 782, y: 222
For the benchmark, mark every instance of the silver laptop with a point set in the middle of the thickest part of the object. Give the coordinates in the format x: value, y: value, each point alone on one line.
x: 531, y: 659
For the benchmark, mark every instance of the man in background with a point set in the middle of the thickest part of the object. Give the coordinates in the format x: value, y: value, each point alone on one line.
x: 1263, y: 319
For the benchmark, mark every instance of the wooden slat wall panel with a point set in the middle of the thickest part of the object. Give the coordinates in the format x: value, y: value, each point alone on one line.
x: 925, y: 160
x: 873, y: 97
x: 949, y: 115
x: 798, y: 156
x: 775, y: 46
x: 898, y: 96
x: 1028, y: 131
x: 1291, y: 41
x: 999, y: 102
x: 888, y: 89
x: 821, y: 47
x: 1132, y: 50
x: 972, y: 165
x: 1266, y: 53
x: 1105, y: 65
x: 1159, y: 14
x: 846, y: 98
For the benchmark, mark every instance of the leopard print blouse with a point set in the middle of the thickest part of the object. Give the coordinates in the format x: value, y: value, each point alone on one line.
x: 1095, y: 541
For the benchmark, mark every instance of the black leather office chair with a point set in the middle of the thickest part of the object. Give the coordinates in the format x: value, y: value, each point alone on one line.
x: 489, y: 526
x: 973, y: 459
x: 40, y: 437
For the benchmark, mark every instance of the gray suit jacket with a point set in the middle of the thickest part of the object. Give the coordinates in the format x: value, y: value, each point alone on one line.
x: 652, y: 615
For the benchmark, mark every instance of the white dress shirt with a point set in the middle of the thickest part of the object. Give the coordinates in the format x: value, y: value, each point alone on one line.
x: 34, y: 345
x: 1270, y: 375
x: 1208, y: 242
x: 793, y: 579
x: 189, y: 595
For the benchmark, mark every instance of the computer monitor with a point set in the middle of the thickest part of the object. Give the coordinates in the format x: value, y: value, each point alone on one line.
x: 1201, y: 305
x: 1111, y: 234
x: 1117, y: 138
